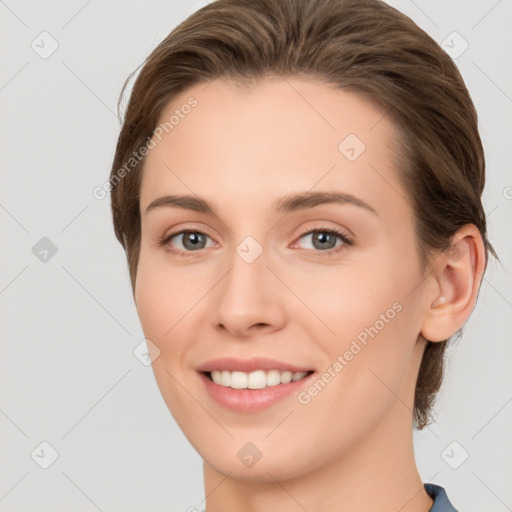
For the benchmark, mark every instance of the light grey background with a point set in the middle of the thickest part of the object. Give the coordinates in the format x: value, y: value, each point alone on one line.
x: 69, y: 327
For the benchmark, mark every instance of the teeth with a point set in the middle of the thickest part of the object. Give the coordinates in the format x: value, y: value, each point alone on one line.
x: 254, y: 380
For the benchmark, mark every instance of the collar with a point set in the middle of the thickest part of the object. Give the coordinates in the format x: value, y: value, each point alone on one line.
x: 441, y: 501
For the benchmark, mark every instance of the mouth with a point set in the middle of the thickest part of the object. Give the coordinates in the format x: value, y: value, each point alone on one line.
x: 257, y: 379
x: 251, y: 385
x: 253, y: 391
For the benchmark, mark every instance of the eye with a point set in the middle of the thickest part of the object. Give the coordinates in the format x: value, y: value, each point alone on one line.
x: 188, y: 241
x: 325, y: 240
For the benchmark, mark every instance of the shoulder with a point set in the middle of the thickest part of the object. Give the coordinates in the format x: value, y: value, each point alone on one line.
x: 441, y: 501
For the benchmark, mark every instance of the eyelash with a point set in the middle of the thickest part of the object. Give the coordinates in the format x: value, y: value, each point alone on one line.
x: 347, y: 241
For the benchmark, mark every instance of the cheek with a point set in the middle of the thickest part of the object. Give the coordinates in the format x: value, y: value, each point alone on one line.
x: 363, y: 324
x: 365, y: 372
x: 169, y: 299
x: 344, y: 299
x: 150, y: 304
x: 164, y: 304
x: 157, y: 298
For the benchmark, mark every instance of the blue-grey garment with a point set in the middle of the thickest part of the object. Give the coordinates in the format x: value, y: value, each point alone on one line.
x: 441, y: 501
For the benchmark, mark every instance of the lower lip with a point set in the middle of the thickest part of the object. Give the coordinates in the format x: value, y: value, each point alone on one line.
x: 251, y: 400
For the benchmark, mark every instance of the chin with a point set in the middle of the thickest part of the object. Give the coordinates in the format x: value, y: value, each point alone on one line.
x: 261, y: 471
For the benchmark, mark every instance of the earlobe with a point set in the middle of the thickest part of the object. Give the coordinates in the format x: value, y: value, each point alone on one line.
x: 457, y: 275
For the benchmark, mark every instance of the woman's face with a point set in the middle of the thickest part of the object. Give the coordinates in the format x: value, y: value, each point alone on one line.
x: 265, y: 275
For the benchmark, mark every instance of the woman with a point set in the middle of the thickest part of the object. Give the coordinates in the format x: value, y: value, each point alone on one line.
x: 297, y: 186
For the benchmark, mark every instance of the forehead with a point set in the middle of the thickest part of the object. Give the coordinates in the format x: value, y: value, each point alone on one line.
x: 271, y: 138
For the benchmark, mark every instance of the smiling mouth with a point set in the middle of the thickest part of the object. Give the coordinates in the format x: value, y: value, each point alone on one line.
x: 257, y: 379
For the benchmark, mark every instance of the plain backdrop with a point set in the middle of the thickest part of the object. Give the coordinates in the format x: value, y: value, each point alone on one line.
x: 73, y: 395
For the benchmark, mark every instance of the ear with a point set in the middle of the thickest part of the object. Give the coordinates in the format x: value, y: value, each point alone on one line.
x: 456, y: 279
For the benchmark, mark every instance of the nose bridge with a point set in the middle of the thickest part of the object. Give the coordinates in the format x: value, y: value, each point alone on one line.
x: 248, y: 269
x: 246, y: 295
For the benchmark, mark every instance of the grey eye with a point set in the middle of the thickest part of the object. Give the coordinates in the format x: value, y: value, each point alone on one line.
x: 322, y: 239
x: 191, y: 240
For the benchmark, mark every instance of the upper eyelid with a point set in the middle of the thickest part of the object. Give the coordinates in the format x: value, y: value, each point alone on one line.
x: 205, y: 230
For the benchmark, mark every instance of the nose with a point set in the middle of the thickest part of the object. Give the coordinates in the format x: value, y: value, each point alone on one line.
x: 249, y: 299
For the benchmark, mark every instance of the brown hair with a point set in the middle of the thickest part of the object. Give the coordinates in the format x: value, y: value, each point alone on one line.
x: 363, y: 46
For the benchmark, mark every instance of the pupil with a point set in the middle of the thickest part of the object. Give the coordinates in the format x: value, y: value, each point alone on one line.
x: 194, y: 239
x: 323, y: 237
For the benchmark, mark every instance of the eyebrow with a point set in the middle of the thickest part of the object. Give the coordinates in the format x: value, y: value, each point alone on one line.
x: 289, y: 203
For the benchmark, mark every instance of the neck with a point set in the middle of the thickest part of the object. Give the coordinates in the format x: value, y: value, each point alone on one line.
x: 379, y: 473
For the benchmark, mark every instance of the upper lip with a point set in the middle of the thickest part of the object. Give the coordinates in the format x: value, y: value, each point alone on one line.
x: 233, y: 364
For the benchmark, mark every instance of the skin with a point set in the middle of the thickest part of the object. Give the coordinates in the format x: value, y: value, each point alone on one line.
x: 350, y: 447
